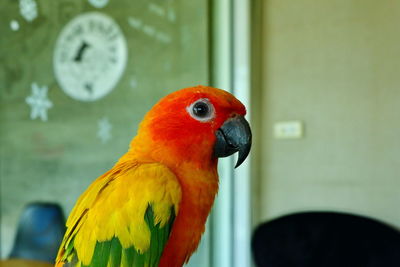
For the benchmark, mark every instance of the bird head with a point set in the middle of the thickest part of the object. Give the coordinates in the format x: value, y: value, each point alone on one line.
x: 197, y: 125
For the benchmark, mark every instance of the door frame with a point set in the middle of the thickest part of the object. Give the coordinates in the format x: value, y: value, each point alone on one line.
x: 231, y: 223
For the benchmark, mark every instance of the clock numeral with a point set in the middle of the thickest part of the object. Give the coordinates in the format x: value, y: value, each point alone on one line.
x: 92, y: 25
x: 63, y: 56
x: 78, y: 30
x: 75, y: 32
x: 108, y: 30
x: 113, y: 36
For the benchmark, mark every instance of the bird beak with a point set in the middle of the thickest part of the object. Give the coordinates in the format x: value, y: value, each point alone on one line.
x: 233, y: 136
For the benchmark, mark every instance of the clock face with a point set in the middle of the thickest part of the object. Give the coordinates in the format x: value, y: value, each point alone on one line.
x: 90, y: 56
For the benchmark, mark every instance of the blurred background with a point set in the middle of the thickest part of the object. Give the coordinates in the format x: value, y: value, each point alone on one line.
x: 320, y: 80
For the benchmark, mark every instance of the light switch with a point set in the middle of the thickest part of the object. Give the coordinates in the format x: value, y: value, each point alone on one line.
x: 288, y: 130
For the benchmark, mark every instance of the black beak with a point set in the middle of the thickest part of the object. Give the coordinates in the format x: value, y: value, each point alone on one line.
x: 233, y: 136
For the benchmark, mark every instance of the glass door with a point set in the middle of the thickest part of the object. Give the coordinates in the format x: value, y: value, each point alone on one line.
x: 76, y: 78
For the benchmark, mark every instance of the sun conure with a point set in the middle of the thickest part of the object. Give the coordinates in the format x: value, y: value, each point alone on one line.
x: 150, y: 209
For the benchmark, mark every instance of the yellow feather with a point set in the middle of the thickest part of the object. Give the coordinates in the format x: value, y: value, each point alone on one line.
x: 161, y: 213
x: 140, y: 235
x: 115, y: 205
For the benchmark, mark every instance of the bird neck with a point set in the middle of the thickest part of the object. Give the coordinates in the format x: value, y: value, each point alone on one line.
x: 172, y: 153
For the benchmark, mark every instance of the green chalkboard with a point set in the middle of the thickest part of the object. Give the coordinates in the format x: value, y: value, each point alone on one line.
x: 52, y: 144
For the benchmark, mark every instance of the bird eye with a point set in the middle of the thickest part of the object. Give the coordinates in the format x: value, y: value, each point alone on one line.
x: 201, y: 110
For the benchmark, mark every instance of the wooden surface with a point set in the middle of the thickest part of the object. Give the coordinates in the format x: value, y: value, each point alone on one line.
x: 23, y: 263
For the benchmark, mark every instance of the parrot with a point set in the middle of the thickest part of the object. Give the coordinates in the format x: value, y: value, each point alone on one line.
x: 151, y: 207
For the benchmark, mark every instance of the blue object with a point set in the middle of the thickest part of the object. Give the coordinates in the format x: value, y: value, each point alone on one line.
x: 40, y: 231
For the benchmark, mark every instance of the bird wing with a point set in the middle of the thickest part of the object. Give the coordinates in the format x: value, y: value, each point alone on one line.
x: 123, y: 219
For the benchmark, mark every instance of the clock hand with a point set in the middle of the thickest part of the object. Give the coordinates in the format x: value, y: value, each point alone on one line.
x: 79, y: 54
x: 89, y: 88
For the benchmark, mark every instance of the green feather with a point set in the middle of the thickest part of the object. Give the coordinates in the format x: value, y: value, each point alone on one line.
x: 159, y: 236
x: 139, y: 259
x: 128, y: 256
x: 115, y: 253
x: 101, y: 254
x: 112, y: 252
x: 68, y: 250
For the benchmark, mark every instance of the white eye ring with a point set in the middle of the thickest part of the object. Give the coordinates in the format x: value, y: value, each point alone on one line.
x: 201, y: 110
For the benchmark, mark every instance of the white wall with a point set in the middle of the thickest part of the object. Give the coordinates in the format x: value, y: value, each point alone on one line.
x: 335, y: 65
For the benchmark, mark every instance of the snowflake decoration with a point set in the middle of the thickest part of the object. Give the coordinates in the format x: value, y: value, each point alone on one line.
x: 14, y: 25
x: 39, y: 102
x: 104, y: 132
x: 28, y: 9
x: 98, y: 3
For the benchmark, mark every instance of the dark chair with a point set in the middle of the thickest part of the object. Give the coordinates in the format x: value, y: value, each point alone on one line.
x: 40, y: 231
x: 325, y: 239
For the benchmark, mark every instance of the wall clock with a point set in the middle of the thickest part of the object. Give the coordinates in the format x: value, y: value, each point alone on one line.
x: 90, y: 56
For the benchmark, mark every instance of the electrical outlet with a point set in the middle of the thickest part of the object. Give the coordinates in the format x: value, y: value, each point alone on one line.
x: 288, y: 130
